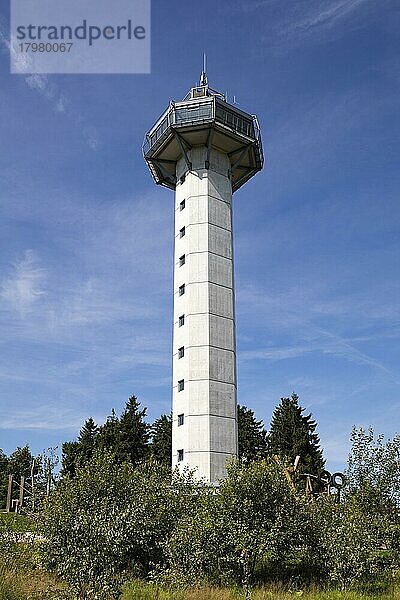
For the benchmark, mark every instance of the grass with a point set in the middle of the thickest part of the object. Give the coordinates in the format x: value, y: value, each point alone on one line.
x: 21, y: 577
x: 15, y: 523
x: 137, y: 590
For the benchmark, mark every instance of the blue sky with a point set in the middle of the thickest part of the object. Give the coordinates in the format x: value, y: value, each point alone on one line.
x: 86, y: 237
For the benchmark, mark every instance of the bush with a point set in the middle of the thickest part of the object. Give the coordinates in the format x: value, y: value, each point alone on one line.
x: 110, y: 522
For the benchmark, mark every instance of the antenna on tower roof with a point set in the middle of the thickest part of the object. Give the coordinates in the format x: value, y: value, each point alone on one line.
x: 203, y: 76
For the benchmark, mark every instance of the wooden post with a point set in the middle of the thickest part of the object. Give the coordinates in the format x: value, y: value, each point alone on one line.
x: 33, y: 484
x: 9, y: 492
x: 21, y: 491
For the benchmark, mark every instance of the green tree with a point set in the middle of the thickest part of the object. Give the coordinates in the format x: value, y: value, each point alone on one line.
x: 131, y: 434
x: 111, y: 521
x: 161, y: 439
x: 80, y: 451
x: 373, y: 473
x: 87, y: 439
x: 109, y: 433
x: 252, y: 437
x: 69, y: 458
x: 292, y: 433
x: 234, y: 530
x: 20, y: 462
x: 255, y: 505
x: 134, y: 432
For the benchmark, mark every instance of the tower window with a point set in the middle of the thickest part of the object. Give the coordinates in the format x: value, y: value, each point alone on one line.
x: 180, y: 455
x: 182, y: 260
x: 182, y: 289
x: 181, y: 419
x: 181, y: 385
x: 182, y: 232
x: 181, y: 320
x: 181, y: 352
x: 182, y: 205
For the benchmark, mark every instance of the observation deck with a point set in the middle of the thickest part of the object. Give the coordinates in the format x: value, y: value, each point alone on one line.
x: 204, y: 118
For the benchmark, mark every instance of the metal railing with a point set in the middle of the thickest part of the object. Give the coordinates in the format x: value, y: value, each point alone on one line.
x: 203, y: 111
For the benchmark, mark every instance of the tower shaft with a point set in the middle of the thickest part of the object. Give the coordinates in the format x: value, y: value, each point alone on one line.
x: 205, y: 149
x: 204, y: 430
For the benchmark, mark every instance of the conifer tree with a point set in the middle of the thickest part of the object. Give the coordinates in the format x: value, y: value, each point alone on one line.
x: 87, y: 439
x: 252, y: 437
x: 127, y: 437
x: 79, y: 452
x: 69, y: 458
x: 161, y: 439
x: 292, y: 433
x: 109, y: 433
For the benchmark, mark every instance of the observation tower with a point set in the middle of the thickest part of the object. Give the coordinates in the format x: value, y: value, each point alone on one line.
x: 204, y: 149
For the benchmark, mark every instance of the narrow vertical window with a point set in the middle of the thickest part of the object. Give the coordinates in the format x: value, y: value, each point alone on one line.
x: 182, y: 289
x: 181, y: 385
x: 182, y: 232
x: 181, y: 352
x: 182, y: 260
x: 182, y: 205
x: 181, y: 419
x: 180, y: 455
x: 181, y: 320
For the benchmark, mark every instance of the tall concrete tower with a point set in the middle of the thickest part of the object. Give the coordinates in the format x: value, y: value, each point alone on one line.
x: 205, y: 149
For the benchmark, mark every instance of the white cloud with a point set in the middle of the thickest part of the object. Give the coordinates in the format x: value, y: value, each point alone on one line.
x: 48, y: 90
x: 297, y: 314
x: 25, y: 285
x: 296, y: 22
x: 323, y: 15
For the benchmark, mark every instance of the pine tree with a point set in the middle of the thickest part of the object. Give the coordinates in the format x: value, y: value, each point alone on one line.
x: 109, y: 433
x: 20, y: 462
x: 133, y: 442
x: 79, y: 452
x: 70, y: 458
x: 293, y: 433
x: 252, y: 437
x: 87, y: 440
x: 161, y: 439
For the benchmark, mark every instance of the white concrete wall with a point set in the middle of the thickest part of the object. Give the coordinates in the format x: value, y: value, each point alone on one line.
x: 208, y: 436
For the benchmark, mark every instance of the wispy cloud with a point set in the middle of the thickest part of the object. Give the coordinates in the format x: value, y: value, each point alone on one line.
x: 299, y: 313
x: 25, y: 286
x: 87, y: 319
x: 295, y: 22
x: 317, y: 16
x: 51, y: 93
x: 50, y: 417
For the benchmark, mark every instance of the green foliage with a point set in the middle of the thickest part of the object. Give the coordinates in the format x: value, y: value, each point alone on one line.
x: 233, y: 529
x: 161, y: 439
x: 252, y: 437
x: 127, y: 437
x: 110, y: 521
x: 293, y: 433
x: 79, y: 452
x: 255, y: 504
x: 373, y: 473
x: 133, y: 434
x: 120, y: 514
